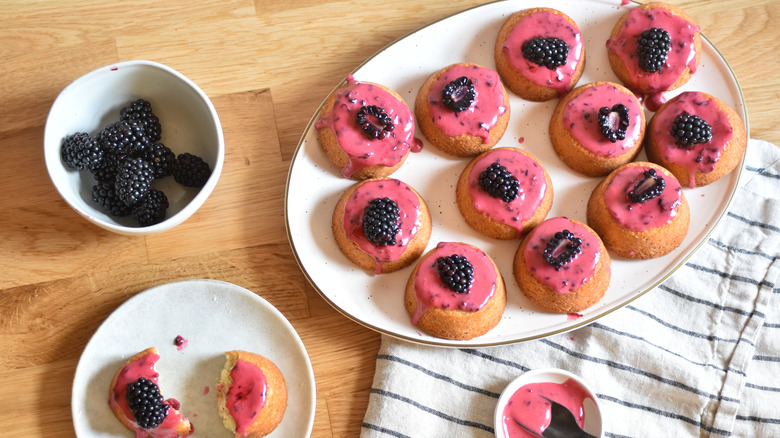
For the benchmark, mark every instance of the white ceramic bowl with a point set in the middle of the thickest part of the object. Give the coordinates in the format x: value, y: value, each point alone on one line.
x: 189, y: 124
x: 593, y: 419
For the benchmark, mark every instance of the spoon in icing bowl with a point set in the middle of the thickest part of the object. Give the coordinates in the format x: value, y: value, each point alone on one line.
x: 563, y: 424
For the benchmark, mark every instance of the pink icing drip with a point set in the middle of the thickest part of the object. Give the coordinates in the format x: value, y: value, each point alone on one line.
x: 410, y: 218
x: 478, y: 119
x: 581, y: 118
x: 533, y: 187
x: 650, y: 214
x: 681, y: 55
x: 246, y: 395
x: 704, y: 156
x: 143, y: 367
x: 361, y: 151
x: 573, y: 274
x: 528, y: 407
x: 544, y: 24
x: 432, y: 293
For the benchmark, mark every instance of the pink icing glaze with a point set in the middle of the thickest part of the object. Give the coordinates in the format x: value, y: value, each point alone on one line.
x: 143, y: 367
x: 704, y: 156
x: 478, y: 119
x: 650, y: 214
x: 544, y: 24
x: 533, y: 187
x: 572, y: 275
x: 409, y: 211
x: 432, y: 293
x: 528, y: 407
x: 581, y: 118
x: 681, y: 55
x: 246, y: 395
x: 361, y: 151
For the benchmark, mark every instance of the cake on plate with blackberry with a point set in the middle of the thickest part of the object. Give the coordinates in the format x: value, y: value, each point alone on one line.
x: 539, y: 53
x: 640, y: 211
x: 463, y: 109
x: 597, y: 127
x: 562, y: 266
x: 504, y: 192
x: 455, y: 292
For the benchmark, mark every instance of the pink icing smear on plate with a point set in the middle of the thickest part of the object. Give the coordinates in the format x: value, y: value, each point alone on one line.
x: 482, y: 115
x: 431, y: 291
x: 572, y: 275
x: 528, y: 409
x: 361, y: 150
x: 409, y: 211
x: 544, y: 24
x: 532, y: 189
x: 637, y: 216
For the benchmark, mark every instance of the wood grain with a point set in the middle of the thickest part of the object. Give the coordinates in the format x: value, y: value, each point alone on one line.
x: 267, y: 65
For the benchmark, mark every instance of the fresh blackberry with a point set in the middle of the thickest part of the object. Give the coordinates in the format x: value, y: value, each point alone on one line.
x: 548, y: 52
x: 151, y: 209
x: 107, y: 169
x: 652, y: 48
x: 374, y: 122
x: 104, y: 195
x: 380, y: 221
x: 80, y: 151
x: 146, y: 403
x: 161, y: 158
x: 613, y: 122
x: 190, y: 170
x: 498, y: 182
x: 562, y: 249
x: 689, y: 130
x: 133, y: 180
x: 141, y: 110
x: 650, y: 186
x: 459, y: 94
x: 456, y: 272
x: 125, y: 139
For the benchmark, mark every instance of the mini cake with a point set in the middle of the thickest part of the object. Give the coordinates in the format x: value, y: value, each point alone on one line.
x: 539, y: 53
x: 455, y: 292
x: 463, y: 109
x: 639, y: 211
x: 597, y: 127
x: 653, y: 48
x: 504, y: 192
x: 135, y: 399
x: 381, y: 225
x: 251, y: 394
x: 562, y: 266
x: 697, y: 137
x: 366, y: 130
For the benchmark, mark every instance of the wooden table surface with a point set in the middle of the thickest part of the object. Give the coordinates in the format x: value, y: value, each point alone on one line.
x: 267, y: 65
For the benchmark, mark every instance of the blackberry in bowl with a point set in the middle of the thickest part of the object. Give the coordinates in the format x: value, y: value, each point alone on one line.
x: 132, y: 108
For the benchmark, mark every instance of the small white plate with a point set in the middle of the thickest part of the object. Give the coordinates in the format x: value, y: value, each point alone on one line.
x: 314, y: 185
x: 214, y: 317
x: 594, y: 422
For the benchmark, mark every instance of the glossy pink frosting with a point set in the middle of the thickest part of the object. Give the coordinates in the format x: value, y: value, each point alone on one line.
x: 544, y: 24
x: 528, y: 407
x: 143, y: 367
x: 361, y: 151
x: 246, y: 395
x: 478, y: 119
x: 581, y: 119
x: 681, y: 55
x: 572, y: 275
x: 533, y: 186
x: 636, y: 216
x: 409, y: 211
x: 431, y: 291
x: 704, y: 156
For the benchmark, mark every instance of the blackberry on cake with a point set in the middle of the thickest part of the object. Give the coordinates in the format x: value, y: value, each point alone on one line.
x: 456, y: 272
x: 690, y: 130
x: 459, y: 94
x: 653, y: 47
x: 380, y: 221
x: 498, y: 182
x: 146, y: 403
x: 547, y: 52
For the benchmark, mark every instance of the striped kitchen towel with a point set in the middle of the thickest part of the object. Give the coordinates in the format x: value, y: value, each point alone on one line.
x: 698, y: 356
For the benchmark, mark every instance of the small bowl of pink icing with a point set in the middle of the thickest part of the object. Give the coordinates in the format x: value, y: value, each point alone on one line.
x: 524, y: 406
